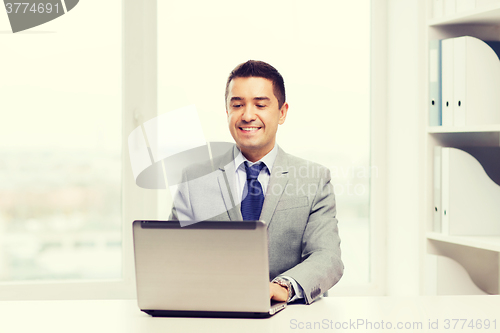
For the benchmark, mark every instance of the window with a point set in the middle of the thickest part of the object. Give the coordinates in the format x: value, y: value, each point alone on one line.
x: 60, y: 147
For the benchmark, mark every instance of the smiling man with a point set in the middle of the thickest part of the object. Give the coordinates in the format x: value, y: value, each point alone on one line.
x: 257, y: 180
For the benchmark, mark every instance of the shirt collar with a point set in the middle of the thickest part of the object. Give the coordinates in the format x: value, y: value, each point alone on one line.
x: 268, y: 160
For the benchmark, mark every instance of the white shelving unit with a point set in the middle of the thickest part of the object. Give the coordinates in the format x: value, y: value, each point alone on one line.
x: 478, y: 242
x: 478, y: 255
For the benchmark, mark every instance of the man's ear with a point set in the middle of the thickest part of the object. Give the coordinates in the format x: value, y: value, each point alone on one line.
x: 283, y: 112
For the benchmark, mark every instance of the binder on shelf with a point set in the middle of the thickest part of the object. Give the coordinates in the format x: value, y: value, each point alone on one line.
x: 437, y: 8
x: 435, y: 82
x: 450, y: 7
x: 441, y: 8
x: 459, y: 81
x: 471, y: 81
x: 447, y: 82
x: 486, y: 3
x: 445, y: 185
x: 436, y: 227
x: 469, y: 195
x: 465, y: 5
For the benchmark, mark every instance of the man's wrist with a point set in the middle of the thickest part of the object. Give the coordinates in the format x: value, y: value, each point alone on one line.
x: 285, y: 283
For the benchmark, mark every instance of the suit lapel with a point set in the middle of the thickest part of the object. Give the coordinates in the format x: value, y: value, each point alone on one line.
x: 276, y: 187
x: 227, y: 184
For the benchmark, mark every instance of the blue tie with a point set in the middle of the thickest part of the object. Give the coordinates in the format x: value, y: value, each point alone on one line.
x: 253, y: 196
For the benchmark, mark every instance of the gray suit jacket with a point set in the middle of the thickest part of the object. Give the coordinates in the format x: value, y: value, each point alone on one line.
x: 299, y: 210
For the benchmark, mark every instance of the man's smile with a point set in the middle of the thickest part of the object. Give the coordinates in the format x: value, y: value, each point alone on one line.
x: 249, y: 129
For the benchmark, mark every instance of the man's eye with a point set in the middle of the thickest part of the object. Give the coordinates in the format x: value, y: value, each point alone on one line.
x: 261, y: 106
x: 236, y: 105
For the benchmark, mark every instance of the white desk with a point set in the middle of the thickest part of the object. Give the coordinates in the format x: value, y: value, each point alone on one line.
x: 124, y: 316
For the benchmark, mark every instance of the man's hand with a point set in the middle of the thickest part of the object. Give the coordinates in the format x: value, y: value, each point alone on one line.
x: 277, y: 292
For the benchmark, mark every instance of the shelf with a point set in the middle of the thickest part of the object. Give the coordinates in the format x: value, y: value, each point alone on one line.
x: 478, y: 255
x: 486, y: 15
x: 470, y: 129
x: 485, y: 136
x: 491, y: 243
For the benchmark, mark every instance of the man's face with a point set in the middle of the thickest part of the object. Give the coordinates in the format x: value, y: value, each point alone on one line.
x: 253, y: 115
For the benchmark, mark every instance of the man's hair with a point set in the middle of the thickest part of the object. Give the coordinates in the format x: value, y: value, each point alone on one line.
x: 256, y: 68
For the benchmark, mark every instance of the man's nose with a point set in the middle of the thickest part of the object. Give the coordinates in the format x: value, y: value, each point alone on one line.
x: 248, y: 114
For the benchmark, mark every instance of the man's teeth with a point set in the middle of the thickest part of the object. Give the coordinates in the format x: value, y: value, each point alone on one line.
x: 249, y: 128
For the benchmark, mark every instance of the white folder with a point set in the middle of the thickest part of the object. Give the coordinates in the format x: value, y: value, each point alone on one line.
x: 437, y: 190
x: 450, y: 7
x: 470, y: 198
x: 445, y: 193
x: 476, y: 77
x: 465, y: 5
x: 435, y: 116
x: 437, y: 8
x: 459, y: 81
x: 447, y: 82
x: 487, y: 3
x: 468, y: 5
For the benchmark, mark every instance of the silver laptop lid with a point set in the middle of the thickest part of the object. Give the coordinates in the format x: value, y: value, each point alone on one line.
x: 207, y: 266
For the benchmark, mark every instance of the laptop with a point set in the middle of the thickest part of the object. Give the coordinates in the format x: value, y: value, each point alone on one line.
x: 206, y: 269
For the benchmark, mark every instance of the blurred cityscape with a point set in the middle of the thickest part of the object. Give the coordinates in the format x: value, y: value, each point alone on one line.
x: 60, y: 215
